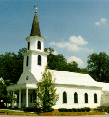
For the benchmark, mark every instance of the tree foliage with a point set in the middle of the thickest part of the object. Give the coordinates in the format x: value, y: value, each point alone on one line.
x: 58, y: 62
x: 46, y: 91
x: 11, y: 65
x: 98, y: 66
x: 4, y: 97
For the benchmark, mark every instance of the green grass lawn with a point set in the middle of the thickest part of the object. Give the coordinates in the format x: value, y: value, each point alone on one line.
x: 10, y: 111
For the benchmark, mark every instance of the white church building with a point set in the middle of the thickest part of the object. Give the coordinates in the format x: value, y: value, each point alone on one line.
x: 75, y: 90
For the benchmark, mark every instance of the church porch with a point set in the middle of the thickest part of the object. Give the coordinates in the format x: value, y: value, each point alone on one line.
x: 24, y: 94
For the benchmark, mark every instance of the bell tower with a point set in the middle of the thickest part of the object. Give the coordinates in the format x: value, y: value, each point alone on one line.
x: 35, y: 59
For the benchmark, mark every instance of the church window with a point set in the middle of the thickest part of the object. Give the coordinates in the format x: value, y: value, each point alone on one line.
x: 27, y: 78
x: 86, y: 97
x: 64, y: 97
x: 39, y: 45
x: 27, y: 60
x: 95, y: 98
x: 75, y: 97
x: 28, y: 45
x: 39, y: 60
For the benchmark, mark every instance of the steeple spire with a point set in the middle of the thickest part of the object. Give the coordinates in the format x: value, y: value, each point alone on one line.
x: 35, y: 31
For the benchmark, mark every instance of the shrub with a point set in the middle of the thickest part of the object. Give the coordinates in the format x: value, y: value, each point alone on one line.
x: 63, y: 110
x: 87, y: 109
x: 74, y: 110
x: 2, y: 105
x: 48, y: 110
x: 79, y: 110
x: 32, y: 109
x: 106, y: 109
x: 70, y: 110
x: 83, y: 109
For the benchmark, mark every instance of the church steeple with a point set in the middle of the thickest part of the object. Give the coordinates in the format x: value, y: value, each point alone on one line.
x: 35, y: 31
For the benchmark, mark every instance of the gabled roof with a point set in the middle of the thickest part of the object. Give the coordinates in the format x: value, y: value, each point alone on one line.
x: 72, y: 78
x: 27, y: 77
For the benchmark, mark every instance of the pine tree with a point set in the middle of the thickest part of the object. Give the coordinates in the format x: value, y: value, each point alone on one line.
x: 47, y: 92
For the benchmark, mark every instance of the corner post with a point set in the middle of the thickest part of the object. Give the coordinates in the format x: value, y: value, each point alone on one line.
x: 13, y: 101
x: 26, y: 97
x: 19, y: 98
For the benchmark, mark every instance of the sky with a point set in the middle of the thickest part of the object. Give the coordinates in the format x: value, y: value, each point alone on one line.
x: 73, y: 28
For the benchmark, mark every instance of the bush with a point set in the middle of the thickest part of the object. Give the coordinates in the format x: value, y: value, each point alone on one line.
x: 79, y: 110
x: 106, y: 109
x: 48, y: 110
x: 2, y: 105
x: 32, y: 109
x: 70, y: 110
x: 87, y: 109
x: 83, y: 109
x: 63, y: 110
x: 74, y: 109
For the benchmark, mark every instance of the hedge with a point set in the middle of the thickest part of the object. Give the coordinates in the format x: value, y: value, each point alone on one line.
x: 32, y: 109
x: 87, y: 109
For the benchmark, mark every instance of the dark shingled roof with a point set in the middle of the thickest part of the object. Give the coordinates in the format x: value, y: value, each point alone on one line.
x: 35, y: 31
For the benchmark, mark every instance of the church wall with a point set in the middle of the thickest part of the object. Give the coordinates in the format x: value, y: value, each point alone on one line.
x: 70, y: 90
x: 34, y: 61
x: 105, y: 98
x: 34, y: 41
x: 24, y: 63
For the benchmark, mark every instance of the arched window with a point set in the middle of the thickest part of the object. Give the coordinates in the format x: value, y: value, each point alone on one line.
x: 64, y: 97
x: 39, y: 60
x: 95, y: 98
x: 39, y: 45
x: 27, y: 60
x: 75, y: 97
x: 86, y: 98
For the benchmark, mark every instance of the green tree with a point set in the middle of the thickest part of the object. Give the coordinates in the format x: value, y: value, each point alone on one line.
x: 84, y: 70
x: 4, y: 98
x: 98, y: 66
x: 57, y: 62
x: 47, y: 92
x: 73, y: 67
x: 49, y: 50
x: 11, y: 66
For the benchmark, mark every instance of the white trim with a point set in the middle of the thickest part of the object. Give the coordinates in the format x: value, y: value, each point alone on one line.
x: 33, y: 37
x: 16, y: 87
x: 34, y: 51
